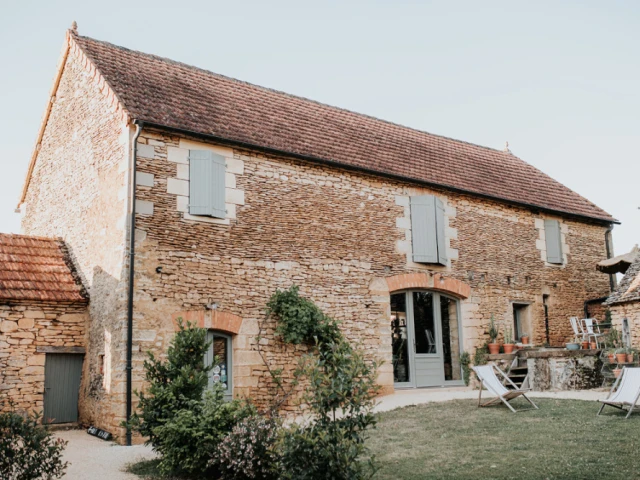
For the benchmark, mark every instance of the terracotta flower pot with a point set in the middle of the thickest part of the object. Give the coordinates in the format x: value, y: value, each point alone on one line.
x: 525, y: 340
x: 494, y: 348
x: 508, y: 347
x: 585, y: 345
x: 612, y: 358
x: 621, y: 357
x: 629, y: 357
x: 617, y: 372
x: 594, y: 346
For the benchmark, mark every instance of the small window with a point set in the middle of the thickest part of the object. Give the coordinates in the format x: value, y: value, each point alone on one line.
x: 553, y: 240
x: 427, y: 230
x: 219, y: 355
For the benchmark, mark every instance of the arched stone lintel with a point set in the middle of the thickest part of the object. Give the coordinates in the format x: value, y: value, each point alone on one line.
x: 407, y: 281
x: 211, y: 320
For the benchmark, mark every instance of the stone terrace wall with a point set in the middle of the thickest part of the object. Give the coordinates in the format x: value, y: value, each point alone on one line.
x: 78, y: 191
x: 24, y: 327
x: 335, y: 234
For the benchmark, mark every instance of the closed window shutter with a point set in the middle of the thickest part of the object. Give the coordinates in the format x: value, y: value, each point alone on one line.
x: 442, y: 246
x: 206, y: 183
x: 553, y: 241
x: 424, y: 229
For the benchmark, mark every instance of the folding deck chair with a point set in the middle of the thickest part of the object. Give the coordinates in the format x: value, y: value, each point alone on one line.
x: 627, y: 393
x: 489, y: 379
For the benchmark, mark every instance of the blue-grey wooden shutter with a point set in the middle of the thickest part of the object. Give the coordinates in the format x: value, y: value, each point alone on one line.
x: 206, y: 183
x: 553, y: 241
x: 424, y: 229
x: 442, y: 245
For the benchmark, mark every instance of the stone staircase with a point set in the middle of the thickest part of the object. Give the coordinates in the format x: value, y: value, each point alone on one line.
x: 518, y: 375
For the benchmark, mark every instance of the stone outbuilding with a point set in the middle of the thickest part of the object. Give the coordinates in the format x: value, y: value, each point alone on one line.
x: 43, y: 316
x: 624, y: 302
x: 190, y: 194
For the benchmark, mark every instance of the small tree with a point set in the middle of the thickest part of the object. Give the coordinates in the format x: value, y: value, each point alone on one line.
x: 28, y: 451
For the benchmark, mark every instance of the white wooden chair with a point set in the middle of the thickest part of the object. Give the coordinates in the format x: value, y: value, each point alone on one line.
x: 489, y: 379
x: 627, y: 393
x: 578, y: 331
x: 592, y: 330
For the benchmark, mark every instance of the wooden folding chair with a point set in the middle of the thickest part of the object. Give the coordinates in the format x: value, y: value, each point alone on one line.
x: 489, y: 379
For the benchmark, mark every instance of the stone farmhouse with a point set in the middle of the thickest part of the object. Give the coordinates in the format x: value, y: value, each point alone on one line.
x: 412, y: 240
x: 624, y: 302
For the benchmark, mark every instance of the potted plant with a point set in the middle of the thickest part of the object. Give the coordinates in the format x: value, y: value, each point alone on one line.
x: 508, y: 341
x: 493, y: 335
x: 621, y: 355
x: 572, y: 346
x: 594, y: 346
x: 585, y: 345
x: 611, y: 354
x: 617, y: 372
x: 524, y: 338
x: 630, y: 354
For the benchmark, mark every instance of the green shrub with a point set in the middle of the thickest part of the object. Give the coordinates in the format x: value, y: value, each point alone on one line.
x: 465, y: 361
x: 341, y: 393
x: 191, y: 436
x: 299, y: 320
x: 249, y: 451
x: 28, y: 451
x: 183, y: 423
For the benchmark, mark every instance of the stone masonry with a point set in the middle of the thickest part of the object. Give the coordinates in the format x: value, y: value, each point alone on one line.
x: 343, y: 237
x: 26, y: 329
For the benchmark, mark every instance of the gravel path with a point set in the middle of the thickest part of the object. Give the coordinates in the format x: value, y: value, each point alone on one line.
x: 91, y: 458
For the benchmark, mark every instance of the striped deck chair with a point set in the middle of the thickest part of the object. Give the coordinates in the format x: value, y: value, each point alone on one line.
x: 489, y: 379
x: 627, y: 393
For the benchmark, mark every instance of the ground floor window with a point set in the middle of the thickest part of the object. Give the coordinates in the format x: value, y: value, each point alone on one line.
x: 219, y: 355
x: 426, y: 340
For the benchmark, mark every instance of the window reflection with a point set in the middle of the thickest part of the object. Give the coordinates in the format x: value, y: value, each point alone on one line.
x: 399, y: 338
x: 424, y: 322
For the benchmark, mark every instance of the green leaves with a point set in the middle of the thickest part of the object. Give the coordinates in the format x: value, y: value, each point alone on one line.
x: 28, y: 451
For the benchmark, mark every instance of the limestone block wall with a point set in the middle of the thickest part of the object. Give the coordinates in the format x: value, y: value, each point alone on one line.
x: 78, y: 191
x: 337, y: 235
x: 630, y: 311
x: 25, y: 328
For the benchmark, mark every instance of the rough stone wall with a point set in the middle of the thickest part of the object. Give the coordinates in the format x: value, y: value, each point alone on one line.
x: 78, y: 192
x: 24, y: 327
x: 335, y: 233
x: 630, y: 311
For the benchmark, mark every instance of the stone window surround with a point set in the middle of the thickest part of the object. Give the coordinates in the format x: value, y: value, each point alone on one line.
x: 224, y: 322
x: 541, y: 243
x: 179, y: 186
x: 403, y: 223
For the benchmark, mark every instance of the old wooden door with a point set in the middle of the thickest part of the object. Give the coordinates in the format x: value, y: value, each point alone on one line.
x: 62, y: 372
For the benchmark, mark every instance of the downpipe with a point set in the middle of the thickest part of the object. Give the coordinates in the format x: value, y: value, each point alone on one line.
x: 132, y: 257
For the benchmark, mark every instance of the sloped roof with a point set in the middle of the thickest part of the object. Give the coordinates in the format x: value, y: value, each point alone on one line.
x: 37, y: 268
x: 173, y: 95
x: 628, y: 289
x: 619, y: 263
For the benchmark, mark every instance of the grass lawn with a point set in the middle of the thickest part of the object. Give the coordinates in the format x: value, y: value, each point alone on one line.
x: 456, y: 440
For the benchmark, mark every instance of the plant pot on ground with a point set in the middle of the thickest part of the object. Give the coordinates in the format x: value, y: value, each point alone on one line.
x: 617, y: 372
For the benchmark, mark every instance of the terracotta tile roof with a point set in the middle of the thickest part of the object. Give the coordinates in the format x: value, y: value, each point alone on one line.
x: 174, y: 95
x: 629, y: 287
x: 37, y: 268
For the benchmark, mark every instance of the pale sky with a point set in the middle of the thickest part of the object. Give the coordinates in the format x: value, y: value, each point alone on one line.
x: 558, y: 80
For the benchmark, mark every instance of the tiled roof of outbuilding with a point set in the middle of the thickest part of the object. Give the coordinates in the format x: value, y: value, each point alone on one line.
x: 37, y: 268
x: 629, y: 288
x: 178, y: 96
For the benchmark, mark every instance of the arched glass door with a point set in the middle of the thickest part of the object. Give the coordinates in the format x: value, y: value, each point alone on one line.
x: 426, y: 339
